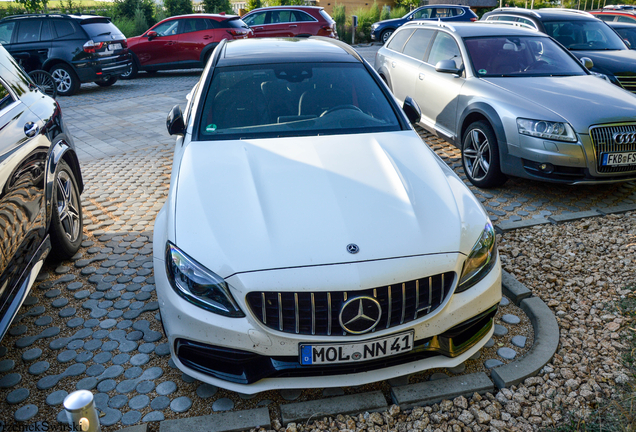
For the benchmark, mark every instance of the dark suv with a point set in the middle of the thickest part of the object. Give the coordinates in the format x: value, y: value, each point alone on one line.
x: 74, y: 49
x: 582, y: 34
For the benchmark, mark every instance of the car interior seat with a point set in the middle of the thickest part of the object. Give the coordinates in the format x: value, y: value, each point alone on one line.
x: 321, y: 98
x: 242, y: 105
x: 565, y: 35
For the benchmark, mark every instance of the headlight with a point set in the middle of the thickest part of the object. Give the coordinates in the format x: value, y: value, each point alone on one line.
x: 480, y: 261
x: 374, y: 26
x: 546, y: 129
x: 601, y: 76
x: 199, y: 285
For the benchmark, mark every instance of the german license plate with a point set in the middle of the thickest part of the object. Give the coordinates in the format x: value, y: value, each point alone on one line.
x: 318, y: 354
x: 114, y: 47
x: 617, y: 159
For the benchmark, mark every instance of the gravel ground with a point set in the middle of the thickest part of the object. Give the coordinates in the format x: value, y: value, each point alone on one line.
x: 582, y: 270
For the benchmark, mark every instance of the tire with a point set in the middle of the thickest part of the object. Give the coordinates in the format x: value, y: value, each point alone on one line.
x: 67, y: 82
x: 385, y: 35
x: 480, y: 156
x: 107, y: 83
x: 45, y: 82
x: 66, y: 215
x: 132, y: 71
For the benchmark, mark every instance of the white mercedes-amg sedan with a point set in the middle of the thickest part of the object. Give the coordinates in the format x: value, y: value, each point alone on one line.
x: 310, y: 238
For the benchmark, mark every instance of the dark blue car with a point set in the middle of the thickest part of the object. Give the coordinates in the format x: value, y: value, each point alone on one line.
x: 381, y: 31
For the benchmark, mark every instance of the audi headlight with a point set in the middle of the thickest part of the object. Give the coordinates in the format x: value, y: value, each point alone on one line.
x: 198, y: 285
x: 480, y: 261
x: 546, y: 129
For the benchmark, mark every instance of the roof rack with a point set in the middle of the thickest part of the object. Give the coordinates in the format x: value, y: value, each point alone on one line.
x: 437, y: 23
x: 516, y: 9
x: 511, y: 23
x: 568, y: 10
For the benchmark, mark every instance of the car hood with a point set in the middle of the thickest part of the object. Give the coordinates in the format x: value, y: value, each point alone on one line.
x: 290, y: 202
x: 581, y: 100
x: 615, y: 62
x: 395, y: 22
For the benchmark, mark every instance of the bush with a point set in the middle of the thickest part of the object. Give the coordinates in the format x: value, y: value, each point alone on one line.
x: 160, y: 13
x: 127, y: 9
x: 217, y: 6
x: 177, y: 7
x: 366, y: 17
x: 126, y: 26
x: 398, y: 12
x: 386, y: 13
x: 140, y: 23
x: 340, y: 17
x: 253, y: 4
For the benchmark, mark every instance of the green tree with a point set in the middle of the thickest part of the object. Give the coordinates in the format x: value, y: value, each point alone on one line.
x: 217, y: 6
x: 34, y: 5
x: 141, y: 25
x: 340, y: 17
x: 253, y: 4
x: 127, y: 9
x: 178, y: 7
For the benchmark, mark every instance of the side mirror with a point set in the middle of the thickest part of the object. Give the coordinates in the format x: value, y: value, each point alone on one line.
x: 447, y: 66
x: 412, y: 110
x: 587, y: 62
x: 174, y: 122
x: 410, y: 17
x: 151, y: 35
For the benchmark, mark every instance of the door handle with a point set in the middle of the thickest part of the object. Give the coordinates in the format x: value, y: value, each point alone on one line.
x: 170, y: 43
x: 421, y: 77
x: 293, y: 26
x: 258, y: 28
x: 206, y: 37
x: 43, y: 51
x: 393, y: 64
x: 31, y: 129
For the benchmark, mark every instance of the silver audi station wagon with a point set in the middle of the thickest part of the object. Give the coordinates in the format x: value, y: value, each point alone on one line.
x: 514, y: 101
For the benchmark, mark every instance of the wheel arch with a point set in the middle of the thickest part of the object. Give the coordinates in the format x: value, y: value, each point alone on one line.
x: 60, y: 151
x: 207, y: 51
x: 481, y: 111
x: 48, y: 65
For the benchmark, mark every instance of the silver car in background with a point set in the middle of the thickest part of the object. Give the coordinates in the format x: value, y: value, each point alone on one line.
x: 514, y: 101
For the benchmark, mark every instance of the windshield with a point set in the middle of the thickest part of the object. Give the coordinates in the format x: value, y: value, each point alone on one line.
x: 520, y: 57
x: 294, y: 99
x: 584, y: 35
x: 233, y: 23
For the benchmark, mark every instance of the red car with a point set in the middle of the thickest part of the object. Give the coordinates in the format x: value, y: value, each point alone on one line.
x: 615, y: 15
x: 183, y: 42
x: 291, y: 21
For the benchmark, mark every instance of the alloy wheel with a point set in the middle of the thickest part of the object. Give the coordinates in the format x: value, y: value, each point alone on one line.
x: 63, y: 80
x: 68, y: 206
x: 477, y: 154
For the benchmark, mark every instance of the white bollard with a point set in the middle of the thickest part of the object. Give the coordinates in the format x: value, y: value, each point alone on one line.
x: 81, y: 412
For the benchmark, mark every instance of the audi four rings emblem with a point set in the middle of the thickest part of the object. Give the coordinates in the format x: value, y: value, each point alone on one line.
x: 360, y: 314
x: 625, y: 137
x: 353, y: 248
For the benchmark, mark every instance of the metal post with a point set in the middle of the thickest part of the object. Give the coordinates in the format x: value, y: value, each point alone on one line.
x: 354, y: 26
x: 81, y: 412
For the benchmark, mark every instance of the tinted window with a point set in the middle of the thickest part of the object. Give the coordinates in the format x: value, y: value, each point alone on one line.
x: 256, y: 19
x: 443, y: 13
x: 507, y: 18
x: 527, y: 21
x: 6, y: 30
x: 168, y: 28
x: 45, y: 33
x: 627, y: 19
x: 294, y: 99
x: 213, y: 24
x: 326, y: 16
x: 629, y: 35
x: 399, y: 38
x: 520, y: 56
x: 302, y: 16
x: 458, y: 11
x: 280, y: 16
x: 418, y: 44
x: 5, y: 97
x: 29, y: 31
x: 584, y: 35
x: 444, y: 48
x: 233, y: 23
x: 193, y: 25
x: 422, y: 13
x: 63, y: 28
x: 102, y: 27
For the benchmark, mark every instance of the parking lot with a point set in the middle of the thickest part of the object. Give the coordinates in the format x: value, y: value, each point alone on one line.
x: 93, y: 323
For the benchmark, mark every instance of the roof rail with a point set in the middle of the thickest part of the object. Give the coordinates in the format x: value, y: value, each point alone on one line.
x: 510, y: 23
x: 437, y: 23
x: 533, y: 12
x: 568, y: 10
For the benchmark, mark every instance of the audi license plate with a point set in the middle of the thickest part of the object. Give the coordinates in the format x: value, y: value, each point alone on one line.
x: 617, y: 159
x: 319, y: 354
x: 114, y: 47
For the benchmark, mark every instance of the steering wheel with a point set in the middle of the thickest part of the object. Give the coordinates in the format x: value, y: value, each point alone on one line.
x: 341, y: 107
x: 536, y: 65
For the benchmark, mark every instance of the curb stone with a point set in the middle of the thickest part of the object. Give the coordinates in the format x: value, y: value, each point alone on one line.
x: 299, y: 411
x: 139, y: 428
x: 526, y: 223
x: 226, y: 422
x: 568, y: 217
x: 513, y: 289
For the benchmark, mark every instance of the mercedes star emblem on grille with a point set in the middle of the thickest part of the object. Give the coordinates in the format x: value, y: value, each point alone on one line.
x: 625, y: 137
x: 353, y: 248
x: 360, y: 314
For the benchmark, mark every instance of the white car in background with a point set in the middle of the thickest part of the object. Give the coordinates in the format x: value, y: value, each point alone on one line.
x: 310, y: 238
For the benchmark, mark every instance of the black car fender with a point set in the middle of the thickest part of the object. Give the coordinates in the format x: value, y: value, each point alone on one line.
x: 60, y: 150
x: 478, y: 111
x: 49, y: 63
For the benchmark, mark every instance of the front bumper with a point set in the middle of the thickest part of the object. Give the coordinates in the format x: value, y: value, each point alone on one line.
x: 241, y: 354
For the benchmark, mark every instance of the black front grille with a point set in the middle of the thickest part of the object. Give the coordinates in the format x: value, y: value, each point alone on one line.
x: 317, y: 313
x: 628, y: 82
x: 603, y: 142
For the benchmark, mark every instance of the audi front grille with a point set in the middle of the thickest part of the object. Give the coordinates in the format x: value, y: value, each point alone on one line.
x: 603, y: 142
x: 317, y: 313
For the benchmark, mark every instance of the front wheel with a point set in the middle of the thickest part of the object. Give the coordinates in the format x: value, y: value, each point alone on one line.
x: 67, y: 82
x: 480, y: 156
x: 107, y: 83
x: 386, y: 34
x: 66, y: 216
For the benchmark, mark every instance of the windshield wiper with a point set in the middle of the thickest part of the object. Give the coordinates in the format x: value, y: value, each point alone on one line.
x: 103, y: 34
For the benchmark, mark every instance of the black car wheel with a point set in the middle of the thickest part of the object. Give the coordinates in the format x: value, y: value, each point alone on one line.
x: 66, y: 218
x: 107, y: 83
x: 386, y: 34
x: 131, y: 72
x: 480, y: 156
x: 45, y: 82
x: 67, y: 82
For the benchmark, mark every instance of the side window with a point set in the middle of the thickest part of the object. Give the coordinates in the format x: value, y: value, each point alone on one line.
x: 302, y: 16
x: 422, y: 13
x: 213, y: 24
x: 45, y: 35
x: 256, y: 19
x: 418, y: 44
x: 194, y: 25
x: 458, y: 11
x: 63, y: 28
x: 399, y: 38
x: 444, y: 48
x: 6, y: 31
x: 626, y: 19
x: 442, y: 13
x: 168, y: 28
x: 605, y: 17
x: 29, y: 31
x: 5, y: 97
x: 507, y: 18
x: 492, y: 18
x: 280, y: 16
x: 527, y: 21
